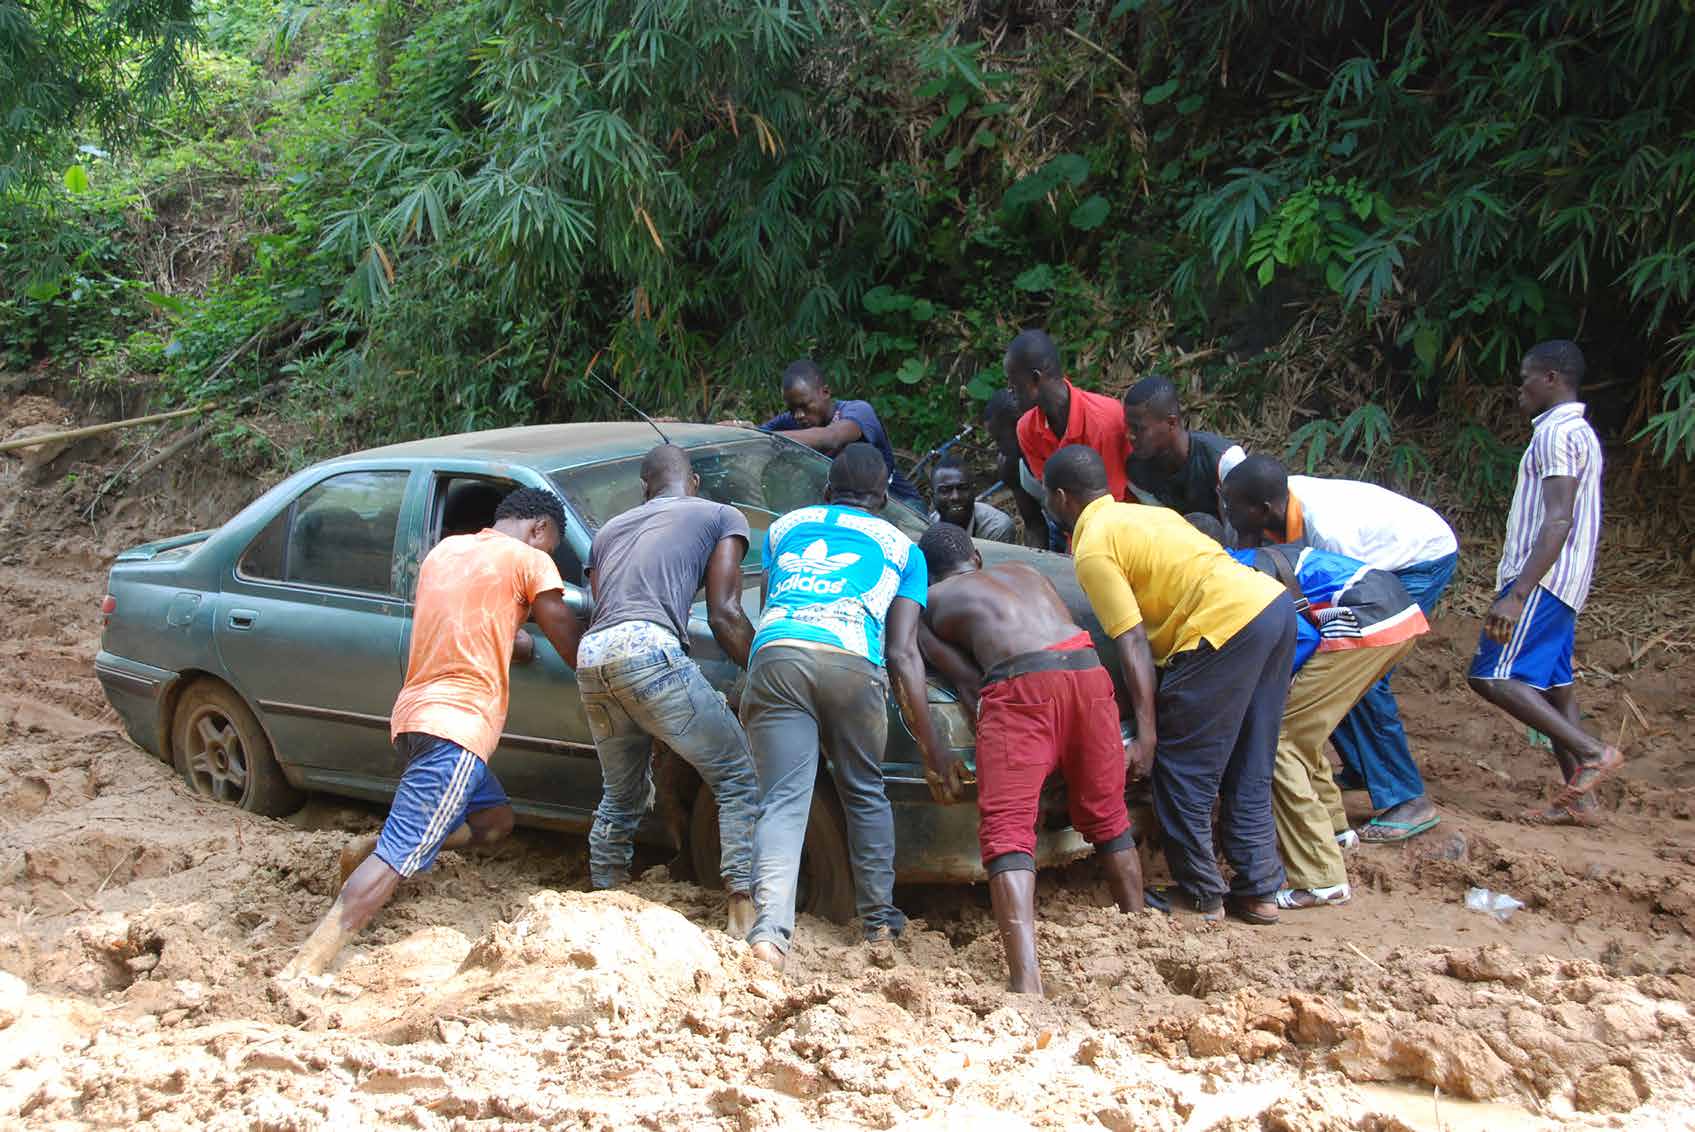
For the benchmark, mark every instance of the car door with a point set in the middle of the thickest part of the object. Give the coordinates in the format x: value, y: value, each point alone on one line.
x: 546, y: 758
x: 309, y: 625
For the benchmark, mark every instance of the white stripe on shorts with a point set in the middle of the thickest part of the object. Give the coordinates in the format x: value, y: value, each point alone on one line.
x: 452, y: 799
x: 1520, y: 634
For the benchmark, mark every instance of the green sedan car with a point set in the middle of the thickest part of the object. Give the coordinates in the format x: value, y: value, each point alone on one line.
x: 262, y: 658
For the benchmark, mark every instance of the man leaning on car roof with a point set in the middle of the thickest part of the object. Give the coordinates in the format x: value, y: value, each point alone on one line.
x: 474, y: 591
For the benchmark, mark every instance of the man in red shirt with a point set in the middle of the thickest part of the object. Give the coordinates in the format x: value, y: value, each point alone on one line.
x: 1057, y: 413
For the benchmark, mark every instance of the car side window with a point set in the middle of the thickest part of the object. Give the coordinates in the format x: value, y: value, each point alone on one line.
x: 338, y: 534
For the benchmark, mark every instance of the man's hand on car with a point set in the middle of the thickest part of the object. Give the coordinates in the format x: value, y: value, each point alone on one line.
x: 523, y: 648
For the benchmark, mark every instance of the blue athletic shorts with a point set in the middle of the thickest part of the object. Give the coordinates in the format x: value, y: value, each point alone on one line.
x: 1539, y: 651
x: 441, y: 784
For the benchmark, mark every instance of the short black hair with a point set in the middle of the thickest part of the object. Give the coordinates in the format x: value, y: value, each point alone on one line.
x: 1263, y: 479
x: 532, y: 503
x: 1001, y: 406
x: 946, y: 548
x: 1559, y: 355
x: 1157, y: 393
x: 950, y: 462
x: 858, y: 472
x: 803, y: 371
x: 1075, y: 469
x: 1034, y: 350
x: 1207, y: 525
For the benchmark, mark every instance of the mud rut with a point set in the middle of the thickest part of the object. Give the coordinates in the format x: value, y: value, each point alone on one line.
x: 140, y: 926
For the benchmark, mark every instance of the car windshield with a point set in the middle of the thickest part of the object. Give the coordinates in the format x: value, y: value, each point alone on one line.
x: 762, y: 478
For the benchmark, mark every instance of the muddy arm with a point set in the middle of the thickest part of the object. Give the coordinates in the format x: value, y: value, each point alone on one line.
x: 957, y: 668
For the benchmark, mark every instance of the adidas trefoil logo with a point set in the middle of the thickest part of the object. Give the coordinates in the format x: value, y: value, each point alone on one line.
x: 807, y: 570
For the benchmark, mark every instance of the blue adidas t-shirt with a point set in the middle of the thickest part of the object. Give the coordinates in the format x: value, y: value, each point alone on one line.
x: 831, y: 575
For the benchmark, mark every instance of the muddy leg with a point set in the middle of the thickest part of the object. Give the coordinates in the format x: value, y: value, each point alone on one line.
x: 1012, y: 894
x: 741, y: 915
x: 1124, y: 878
x: 366, y: 891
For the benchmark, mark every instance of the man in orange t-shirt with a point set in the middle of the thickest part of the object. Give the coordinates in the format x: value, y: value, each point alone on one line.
x: 474, y: 591
x: 1057, y: 413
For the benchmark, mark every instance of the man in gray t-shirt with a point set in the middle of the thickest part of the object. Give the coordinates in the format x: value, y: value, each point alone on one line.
x: 638, y: 683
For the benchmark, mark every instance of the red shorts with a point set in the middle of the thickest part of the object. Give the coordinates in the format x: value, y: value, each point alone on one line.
x: 1031, y: 725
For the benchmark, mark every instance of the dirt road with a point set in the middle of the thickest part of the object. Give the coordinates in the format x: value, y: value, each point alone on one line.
x: 140, y: 928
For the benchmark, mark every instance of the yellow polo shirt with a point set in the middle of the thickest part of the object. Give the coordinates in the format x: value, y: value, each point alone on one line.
x: 1147, y: 564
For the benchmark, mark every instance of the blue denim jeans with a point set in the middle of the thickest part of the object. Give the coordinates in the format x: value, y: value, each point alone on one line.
x: 650, y: 694
x: 795, y: 698
x: 1370, y: 738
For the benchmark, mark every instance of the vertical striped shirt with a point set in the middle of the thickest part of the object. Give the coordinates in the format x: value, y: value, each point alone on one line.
x: 1561, y: 444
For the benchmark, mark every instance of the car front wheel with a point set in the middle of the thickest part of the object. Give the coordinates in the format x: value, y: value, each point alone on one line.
x: 223, y: 754
x: 825, y: 887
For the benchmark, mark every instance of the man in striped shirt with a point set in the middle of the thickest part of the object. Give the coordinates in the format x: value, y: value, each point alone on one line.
x: 1523, y: 661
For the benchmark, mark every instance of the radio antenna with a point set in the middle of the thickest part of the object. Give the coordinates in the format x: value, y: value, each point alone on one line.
x: 628, y: 404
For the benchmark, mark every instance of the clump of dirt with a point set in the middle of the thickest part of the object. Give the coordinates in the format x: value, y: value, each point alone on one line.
x: 140, y: 928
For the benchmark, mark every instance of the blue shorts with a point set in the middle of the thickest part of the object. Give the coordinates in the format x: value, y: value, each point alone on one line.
x: 441, y: 784
x: 1539, y: 651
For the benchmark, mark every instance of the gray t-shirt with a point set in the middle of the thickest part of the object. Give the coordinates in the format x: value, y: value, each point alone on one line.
x: 651, y: 559
x: 988, y: 522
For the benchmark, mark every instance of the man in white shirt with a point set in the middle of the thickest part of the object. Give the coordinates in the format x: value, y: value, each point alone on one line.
x: 1523, y: 661
x: 1386, y: 531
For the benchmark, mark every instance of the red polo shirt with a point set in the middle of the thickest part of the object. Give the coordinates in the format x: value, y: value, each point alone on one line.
x: 1095, y: 420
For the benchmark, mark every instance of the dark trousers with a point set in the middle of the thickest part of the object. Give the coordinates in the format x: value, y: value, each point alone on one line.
x: 1217, y: 716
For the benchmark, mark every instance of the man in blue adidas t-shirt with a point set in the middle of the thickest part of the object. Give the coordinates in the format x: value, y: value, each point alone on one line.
x: 843, y: 592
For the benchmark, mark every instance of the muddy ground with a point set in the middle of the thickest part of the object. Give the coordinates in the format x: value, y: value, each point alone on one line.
x: 139, y: 929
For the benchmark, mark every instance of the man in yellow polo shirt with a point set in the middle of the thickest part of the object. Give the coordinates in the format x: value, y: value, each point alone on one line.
x: 1225, y: 636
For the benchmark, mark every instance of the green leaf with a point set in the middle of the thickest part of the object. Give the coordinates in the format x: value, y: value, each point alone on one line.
x: 1038, y: 278
x: 1334, y: 274
x: 76, y: 179
x: 1191, y: 104
x: 1427, y: 344
x: 956, y: 105
x: 1267, y: 270
x: 884, y: 299
x: 1070, y: 167
x: 952, y: 160
x: 912, y: 371
x: 985, y: 385
x: 1091, y: 214
x: 43, y: 290
x: 1160, y: 93
x: 923, y: 310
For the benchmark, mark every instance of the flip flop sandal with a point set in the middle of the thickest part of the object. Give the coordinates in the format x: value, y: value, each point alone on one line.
x: 1591, y: 775
x: 1242, y: 909
x: 1170, y: 898
x: 1299, y: 898
x: 1561, y: 815
x: 1394, y: 831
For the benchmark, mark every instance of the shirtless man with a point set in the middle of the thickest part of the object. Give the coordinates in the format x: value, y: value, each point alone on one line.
x: 1042, y: 701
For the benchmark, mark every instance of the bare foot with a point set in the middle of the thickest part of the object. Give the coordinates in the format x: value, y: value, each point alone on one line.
x: 770, y: 955
x: 1591, y: 775
x: 741, y: 915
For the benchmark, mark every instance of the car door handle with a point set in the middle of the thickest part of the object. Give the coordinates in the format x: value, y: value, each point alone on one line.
x: 242, y: 618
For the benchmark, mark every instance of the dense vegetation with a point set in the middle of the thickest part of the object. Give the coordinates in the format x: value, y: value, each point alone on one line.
x: 411, y: 216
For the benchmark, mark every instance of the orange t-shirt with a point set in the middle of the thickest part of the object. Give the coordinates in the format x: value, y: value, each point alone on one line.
x: 1095, y: 420
x: 474, y: 591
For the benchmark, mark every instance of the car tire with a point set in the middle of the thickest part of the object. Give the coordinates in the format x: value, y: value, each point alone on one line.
x: 826, y: 872
x: 222, y: 753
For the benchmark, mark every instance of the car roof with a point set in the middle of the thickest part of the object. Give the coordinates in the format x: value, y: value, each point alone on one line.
x: 550, y: 447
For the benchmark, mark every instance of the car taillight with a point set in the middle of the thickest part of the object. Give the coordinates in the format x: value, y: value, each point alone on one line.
x: 108, y: 606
